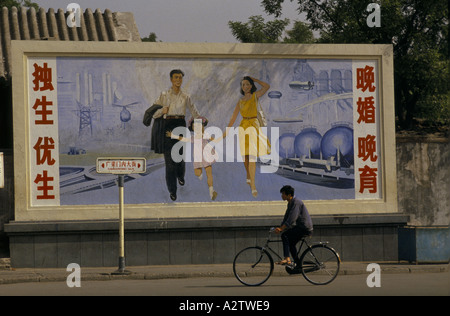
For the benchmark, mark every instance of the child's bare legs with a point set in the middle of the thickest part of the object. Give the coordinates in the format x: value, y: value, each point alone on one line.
x: 209, y: 178
x: 198, y: 173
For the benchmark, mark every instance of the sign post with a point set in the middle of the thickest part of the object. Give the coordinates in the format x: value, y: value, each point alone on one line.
x: 121, y: 167
x: 2, y: 173
x: 121, y: 227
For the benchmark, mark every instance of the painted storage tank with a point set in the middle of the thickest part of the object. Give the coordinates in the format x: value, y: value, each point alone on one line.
x: 308, y: 141
x: 286, y: 145
x: 339, y: 137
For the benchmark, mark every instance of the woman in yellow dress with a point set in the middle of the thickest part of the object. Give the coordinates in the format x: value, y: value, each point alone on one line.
x: 252, y: 142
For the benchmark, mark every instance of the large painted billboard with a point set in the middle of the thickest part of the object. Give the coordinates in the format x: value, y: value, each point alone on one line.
x: 327, y: 120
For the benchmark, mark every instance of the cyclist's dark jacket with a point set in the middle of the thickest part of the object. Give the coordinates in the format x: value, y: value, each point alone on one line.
x: 297, y: 215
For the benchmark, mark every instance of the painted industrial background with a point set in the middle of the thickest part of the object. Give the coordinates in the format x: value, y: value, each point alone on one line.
x: 101, y: 103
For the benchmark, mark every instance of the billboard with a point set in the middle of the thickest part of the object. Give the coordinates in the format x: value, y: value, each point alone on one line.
x: 328, y: 130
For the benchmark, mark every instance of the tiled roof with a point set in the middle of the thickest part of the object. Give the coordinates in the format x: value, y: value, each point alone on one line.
x: 29, y: 24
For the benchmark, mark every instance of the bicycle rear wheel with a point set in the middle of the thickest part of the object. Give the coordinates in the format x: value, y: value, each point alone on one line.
x: 320, y: 264
x: 253, y: 266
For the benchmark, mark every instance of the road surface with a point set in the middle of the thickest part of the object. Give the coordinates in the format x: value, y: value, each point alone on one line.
x: 405, y: 284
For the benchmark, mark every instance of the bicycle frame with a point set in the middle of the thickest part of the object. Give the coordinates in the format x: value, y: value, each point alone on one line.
x: 303, y: 242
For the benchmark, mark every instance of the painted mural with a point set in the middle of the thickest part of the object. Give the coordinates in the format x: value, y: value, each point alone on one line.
x: 310, y: 112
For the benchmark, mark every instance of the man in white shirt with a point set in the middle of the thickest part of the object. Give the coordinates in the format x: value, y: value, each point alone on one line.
x: 173, y: 111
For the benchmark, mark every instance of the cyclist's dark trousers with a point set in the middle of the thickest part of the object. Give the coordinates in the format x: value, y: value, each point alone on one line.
x: 290, y: 239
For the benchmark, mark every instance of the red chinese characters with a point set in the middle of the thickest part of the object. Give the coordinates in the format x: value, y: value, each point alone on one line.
x: 366, y: 110
x: 43, y: 110
x: 365, y: 79
x: 42, y: 121
x: 43, y: 149
x: 45, y: 180
x: 121, y: 165
x: 42, y: 78
x: 367, y: 145
x: 368, y: 179
x: 367, y: 148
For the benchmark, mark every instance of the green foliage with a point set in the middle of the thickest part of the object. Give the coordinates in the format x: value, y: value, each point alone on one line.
x: 418, y: 31
x: 300, y: 33
x: 18, y: 3
x: 150, y: 38
x: 257, y: 31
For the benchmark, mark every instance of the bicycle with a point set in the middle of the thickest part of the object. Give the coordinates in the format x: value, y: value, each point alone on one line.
x: 318, y: 263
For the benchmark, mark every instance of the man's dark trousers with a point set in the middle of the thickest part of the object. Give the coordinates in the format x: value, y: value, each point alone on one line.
x: 174, y: 170
x: 290, y: 238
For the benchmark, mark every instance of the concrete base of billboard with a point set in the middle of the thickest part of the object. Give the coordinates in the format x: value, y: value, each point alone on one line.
x: 190, y: 241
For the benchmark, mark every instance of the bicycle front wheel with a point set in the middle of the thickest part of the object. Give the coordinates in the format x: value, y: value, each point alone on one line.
x: 253, y: 266
x: 320, y: 264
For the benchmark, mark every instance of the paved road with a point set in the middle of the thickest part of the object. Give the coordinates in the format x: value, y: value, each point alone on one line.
x: 391, y: 284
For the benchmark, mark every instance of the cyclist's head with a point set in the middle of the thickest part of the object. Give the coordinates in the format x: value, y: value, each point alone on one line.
x: 288, y: 190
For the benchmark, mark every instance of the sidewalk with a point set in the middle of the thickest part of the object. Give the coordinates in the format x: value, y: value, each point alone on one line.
x: 11, y: 275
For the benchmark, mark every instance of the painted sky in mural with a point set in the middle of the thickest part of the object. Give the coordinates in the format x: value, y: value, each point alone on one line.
x: 101, y: 103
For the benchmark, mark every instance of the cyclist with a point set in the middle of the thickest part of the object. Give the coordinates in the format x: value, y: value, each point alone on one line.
x: 296, y: 224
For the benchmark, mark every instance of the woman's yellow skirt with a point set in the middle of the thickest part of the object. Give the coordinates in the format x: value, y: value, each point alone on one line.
x: 252, y: 141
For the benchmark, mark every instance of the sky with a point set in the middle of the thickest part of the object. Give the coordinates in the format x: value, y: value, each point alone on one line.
x: 183, y: 20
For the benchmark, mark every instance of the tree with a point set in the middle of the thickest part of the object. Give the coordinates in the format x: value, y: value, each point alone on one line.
x: 150, y: 38
x: 256, y: 31
x: 300, y: 33
x: 18, y: 3
x: 418, y: 30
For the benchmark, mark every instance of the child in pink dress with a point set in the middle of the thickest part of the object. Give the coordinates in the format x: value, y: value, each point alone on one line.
x: 204, y: 153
